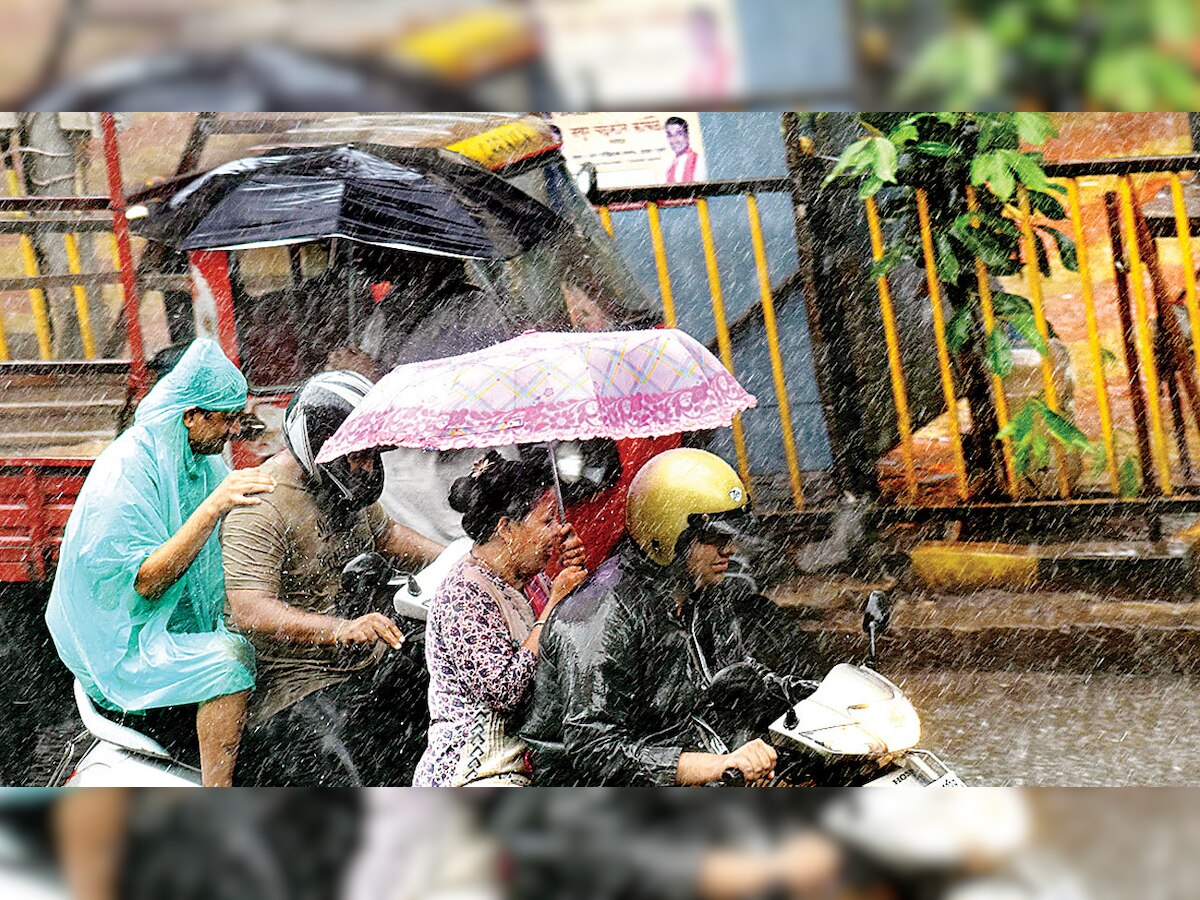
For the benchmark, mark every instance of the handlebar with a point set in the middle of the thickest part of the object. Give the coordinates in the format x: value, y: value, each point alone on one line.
x: 733, y: 777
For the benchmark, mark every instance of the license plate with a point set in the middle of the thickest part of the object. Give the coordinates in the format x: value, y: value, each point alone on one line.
x: 909, y: 776
x: 897, y: 778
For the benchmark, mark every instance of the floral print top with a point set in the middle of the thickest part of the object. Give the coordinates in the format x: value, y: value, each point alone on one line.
x: 478, y: 674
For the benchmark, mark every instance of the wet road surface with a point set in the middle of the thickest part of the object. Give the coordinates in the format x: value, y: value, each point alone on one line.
x: 1066, y: 729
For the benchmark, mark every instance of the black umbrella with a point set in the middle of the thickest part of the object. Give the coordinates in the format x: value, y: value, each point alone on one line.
x: 419, y: 199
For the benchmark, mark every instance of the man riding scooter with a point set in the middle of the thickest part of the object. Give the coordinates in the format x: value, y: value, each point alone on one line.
x: 334, y: 697
x: 622, y: 694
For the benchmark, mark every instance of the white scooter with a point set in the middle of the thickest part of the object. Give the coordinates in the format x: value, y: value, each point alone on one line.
x: 119, y: 756
x: 860, y: 724
x: 856, y: 729
x: 415, y: 592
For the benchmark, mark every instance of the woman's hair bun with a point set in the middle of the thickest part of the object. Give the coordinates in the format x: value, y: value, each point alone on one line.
x: 495, y: 488
x: 462, y: 492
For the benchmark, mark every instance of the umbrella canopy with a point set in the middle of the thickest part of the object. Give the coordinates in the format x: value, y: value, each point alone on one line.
x: 547, y: 386
x: 419, y: 199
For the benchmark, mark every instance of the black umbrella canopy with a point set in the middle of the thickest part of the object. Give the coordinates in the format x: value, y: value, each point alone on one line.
x: 420, y: 199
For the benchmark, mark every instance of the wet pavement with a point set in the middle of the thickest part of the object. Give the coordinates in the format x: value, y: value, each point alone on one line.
x: 1065, y: 729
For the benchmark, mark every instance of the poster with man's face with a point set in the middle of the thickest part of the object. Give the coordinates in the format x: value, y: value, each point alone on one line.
x: 634, y: 149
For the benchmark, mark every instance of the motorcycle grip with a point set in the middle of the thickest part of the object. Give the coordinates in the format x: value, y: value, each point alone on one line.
x: 733, y: 777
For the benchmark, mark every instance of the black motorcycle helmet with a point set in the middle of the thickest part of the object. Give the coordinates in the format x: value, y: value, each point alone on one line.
x: 315, y: 412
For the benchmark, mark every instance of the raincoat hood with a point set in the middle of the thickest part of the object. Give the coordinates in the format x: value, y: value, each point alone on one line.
x: 130, y: 652
x: 203, y: 378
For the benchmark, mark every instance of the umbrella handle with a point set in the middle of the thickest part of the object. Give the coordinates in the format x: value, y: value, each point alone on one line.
x: 562, y: 513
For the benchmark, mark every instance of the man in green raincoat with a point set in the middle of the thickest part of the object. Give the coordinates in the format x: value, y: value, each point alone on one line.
x: 136, y: 607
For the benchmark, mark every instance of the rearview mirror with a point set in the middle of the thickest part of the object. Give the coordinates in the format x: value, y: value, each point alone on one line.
x: 362, y: 578
x: 876, y: 615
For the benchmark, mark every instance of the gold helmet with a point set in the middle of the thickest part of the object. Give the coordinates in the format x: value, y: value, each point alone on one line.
x: 678, y: 490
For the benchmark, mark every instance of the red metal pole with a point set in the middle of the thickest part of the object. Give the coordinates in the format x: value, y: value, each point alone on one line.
x: 138, y: 376
x: 212, y: 268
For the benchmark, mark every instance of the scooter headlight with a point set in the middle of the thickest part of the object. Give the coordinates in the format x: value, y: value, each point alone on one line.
x: 894, y: 722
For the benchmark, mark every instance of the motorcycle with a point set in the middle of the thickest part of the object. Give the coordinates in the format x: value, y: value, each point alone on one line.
x: 119, y: 755
x: 854, y: 728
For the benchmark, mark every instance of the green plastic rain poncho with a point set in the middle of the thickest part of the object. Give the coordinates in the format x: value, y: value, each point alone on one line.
x: 131, y: 653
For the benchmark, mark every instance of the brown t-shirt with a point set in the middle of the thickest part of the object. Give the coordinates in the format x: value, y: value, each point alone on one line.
x: 286, y: 546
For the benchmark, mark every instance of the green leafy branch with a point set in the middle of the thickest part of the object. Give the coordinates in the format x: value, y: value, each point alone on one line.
x: 943, y: 153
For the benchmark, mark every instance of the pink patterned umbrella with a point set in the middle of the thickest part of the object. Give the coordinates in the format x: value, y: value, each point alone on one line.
x: 547, y: 386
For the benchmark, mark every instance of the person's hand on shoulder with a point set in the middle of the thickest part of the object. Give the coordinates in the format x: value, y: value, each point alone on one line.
x: 239, y: 488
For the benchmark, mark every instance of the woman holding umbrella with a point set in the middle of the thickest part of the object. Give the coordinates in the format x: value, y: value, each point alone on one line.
x: 482, y: 635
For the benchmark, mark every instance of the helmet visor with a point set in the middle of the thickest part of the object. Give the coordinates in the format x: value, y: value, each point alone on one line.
x: 721, y: 528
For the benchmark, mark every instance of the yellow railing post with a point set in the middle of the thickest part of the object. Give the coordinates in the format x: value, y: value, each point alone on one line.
x: 1144, y: 343
x: 37, y: 297
x: 1183, y: 232
x: 724, y: 344
x: 606, y: 220
x: 81, y: 298
x: 1089, y: 308
x: 943, y: 352
x: 660, y: 265
x: 895, y: 362
x: 1039, y: 317
x: 777, y: 372
x: 989, y: 325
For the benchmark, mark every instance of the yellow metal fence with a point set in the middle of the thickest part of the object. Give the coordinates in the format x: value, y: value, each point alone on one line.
x: 1115, y: 315
x: 697, y: 196
x: 1132, y: 277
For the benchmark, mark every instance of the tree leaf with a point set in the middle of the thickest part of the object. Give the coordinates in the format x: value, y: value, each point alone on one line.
x: 980, y: 242
x: 998, y: 353
x: 1001, y: 225
x: 936, y: 148
x: 856, y: 156
x: 903, y: 134
x: 1047, y: 204
x: 1062, y: 429
x: 886, y: 263
x: 983, y: 168
x: 996, y: 130
x: 1039, y: 250
x: 1006, y: 304
x: 1018, y: 312
x: 1001, y: 183
x: 1066, y: 249
x: 884, y: 159
x: 958, y: 330
x: 948, y: 265
x: 1040, y: 451
x: 1107, y: 357
x: 1034, y: 127
x: 1129, y: 477
x: 1020, y: 426
x: 870, y: 186
x: 1026, y: 169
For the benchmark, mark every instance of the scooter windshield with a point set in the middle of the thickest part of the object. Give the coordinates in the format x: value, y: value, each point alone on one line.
x: 855, y: 712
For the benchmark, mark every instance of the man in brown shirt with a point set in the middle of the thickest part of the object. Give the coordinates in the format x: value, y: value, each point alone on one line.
x: 334, y: 697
